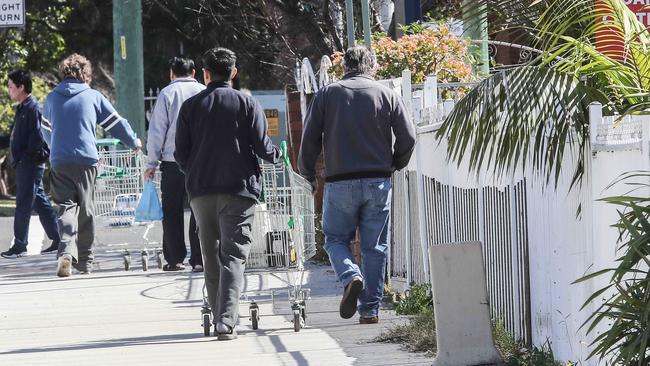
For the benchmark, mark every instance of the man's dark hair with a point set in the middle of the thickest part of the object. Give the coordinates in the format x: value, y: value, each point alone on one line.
x: 22, y: 78
x: 181, y: 66
x: 359, y: 59
x: 219, y: 62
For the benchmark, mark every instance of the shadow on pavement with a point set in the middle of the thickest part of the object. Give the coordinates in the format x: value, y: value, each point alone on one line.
x: 123, y: 342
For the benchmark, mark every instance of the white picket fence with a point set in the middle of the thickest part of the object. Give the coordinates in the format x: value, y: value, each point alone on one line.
x: 535, y: 244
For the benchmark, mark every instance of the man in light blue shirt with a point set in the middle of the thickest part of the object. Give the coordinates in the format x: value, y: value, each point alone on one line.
x: 160, y: 147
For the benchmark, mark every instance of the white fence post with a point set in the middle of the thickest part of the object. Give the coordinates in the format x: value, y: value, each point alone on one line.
x: 514, y: 257
x: 407, y: 98
x: 447, y: 107
x: 595, y: 119
x: 431, y: 92
x: 409, y: 275
x: 407, y: 94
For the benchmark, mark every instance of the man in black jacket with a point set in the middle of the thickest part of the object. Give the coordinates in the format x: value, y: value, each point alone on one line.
x: 29, y: 153
x: 219, y: 135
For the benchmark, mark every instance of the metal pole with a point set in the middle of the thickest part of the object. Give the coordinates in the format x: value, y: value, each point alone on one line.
x: 365, y: 13
x: 128, y: 62
x: 476, y: 28
x: 349, y: 16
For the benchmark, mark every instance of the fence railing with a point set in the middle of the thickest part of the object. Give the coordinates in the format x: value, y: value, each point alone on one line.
x: 495, y: 216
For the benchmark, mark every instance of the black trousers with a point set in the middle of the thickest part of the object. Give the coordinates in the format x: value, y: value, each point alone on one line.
x: 172, y: 186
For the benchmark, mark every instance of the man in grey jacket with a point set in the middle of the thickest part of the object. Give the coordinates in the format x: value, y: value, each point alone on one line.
x: 355, y: 119
x: 160, y: 147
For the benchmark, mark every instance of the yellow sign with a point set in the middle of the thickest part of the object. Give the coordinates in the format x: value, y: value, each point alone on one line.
x: 123, y: 47
x: 273, y: 117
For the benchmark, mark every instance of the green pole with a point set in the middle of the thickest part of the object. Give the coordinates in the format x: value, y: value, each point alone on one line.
x: 349, y: 16
x: 128, y: 62
x: 475, y: 24
x: 365, y: 13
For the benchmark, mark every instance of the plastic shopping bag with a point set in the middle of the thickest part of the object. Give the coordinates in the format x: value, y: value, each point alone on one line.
x: 149, y: 208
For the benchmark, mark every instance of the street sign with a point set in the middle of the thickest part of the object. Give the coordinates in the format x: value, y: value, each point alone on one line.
x: 12, y: 13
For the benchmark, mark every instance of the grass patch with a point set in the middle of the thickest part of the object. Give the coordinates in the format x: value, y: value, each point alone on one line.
x: 7, y: 208
x: 418, y: 334
x: 417, y: 300
x: 514, y: 354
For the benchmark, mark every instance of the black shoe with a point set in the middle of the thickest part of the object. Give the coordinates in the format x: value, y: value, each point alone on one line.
x: 173, y: 267
x: 348, y: 305
x: 14, y: 252
x: 369, y: 320
x: 197, y: 268
x: 51, y: 249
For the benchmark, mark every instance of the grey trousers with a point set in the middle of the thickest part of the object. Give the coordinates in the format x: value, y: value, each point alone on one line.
x: 73, y: 190
x: 225, y: 223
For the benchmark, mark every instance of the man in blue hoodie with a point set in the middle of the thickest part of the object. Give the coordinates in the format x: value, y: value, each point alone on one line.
x: 28, y: 153
x: 72, y: 112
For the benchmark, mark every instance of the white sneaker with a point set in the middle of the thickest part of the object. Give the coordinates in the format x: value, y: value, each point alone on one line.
x: 64, y: 268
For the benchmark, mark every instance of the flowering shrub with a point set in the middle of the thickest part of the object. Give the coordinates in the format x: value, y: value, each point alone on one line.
x: 426, y: 52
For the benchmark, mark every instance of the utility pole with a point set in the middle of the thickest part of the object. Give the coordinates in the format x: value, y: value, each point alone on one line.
x: 476, y: 28
x: 128, y: 63
x: 365, y: 21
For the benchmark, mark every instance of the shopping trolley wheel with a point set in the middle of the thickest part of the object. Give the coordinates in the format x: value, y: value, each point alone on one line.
x: 255, y: 314
x: 145, y: 260
x: 159, y: 259
x: 206, y: 324
x: 303, y: 311
x: 127, y: 260
x: 297, y: 321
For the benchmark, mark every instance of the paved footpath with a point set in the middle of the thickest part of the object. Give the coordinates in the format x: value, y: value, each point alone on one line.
x: 113, y: 317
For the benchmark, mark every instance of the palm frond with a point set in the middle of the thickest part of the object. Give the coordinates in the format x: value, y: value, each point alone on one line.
x: 527, y: 110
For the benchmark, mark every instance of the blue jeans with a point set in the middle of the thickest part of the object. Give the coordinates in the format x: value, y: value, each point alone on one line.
x: 30, y: 195
x: 363, y: 203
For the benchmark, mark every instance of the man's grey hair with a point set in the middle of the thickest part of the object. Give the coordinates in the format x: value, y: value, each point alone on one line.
x: 359, y: 59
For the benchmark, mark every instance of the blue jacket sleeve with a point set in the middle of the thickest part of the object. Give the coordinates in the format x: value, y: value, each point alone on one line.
x: 46, y: 124
x: 113, y: 123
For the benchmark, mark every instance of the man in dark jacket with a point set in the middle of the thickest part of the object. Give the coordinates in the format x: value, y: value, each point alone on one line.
x: 355, y: 119
x: 219, y: 135
x: 29, y: 153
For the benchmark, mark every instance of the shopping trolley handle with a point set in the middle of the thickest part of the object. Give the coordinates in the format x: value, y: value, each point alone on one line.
x: 285, y: 154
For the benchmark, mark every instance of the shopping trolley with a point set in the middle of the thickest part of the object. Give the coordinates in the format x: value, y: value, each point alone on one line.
x: 117, y: 192
x: 283, y: 239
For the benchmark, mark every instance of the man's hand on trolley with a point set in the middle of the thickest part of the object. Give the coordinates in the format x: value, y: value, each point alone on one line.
x: 149, y: 173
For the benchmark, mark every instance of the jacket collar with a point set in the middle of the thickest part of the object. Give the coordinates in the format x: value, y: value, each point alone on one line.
x: 219, y: 84
x: 28, y: 101
x: 184, y: 80
x: 353, y: 74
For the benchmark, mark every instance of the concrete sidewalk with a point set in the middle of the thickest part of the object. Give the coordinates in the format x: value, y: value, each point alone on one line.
x: 153, y: 318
